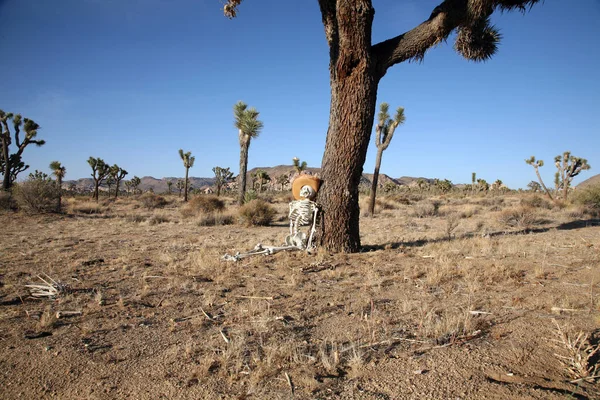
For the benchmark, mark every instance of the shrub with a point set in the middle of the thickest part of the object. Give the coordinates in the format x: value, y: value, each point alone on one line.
x: 519, y: 217
x: 137, y: 218
x: 250, y: 195
x: 215, y: 219
x: 37, y: 194
x: 87, y: 207
x: 206, y: 204
x: 536, y: 201
x: 158, y: 219
x: 428, y: 209
x: 256, y: 213
x: 152, y: 201
x: 7, y: 201
x: 588, y: 198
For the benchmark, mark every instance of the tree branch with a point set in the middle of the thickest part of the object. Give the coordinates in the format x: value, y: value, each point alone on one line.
x: 445, y: 18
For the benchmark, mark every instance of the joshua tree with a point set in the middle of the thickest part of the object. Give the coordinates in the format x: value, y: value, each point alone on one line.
x: 536, y: 164
x: 384, y: 132
x: 356, y: 67
x: 444, y: 186
x: 128, y: 186
x: 473, y: 181
x: 568, y: 167
x: 180, y: 185
x: 482, y: 185
x: 100, y: 171
x: 11, y: 164
x: 283, y: 180
x: 188, y: 162
x: 534, y: 186
x: 169, y: 186
x: 59, y: 172
x: 117, y: 174
x: 110, y: 181
x: 222, y: 177
x: 249, y: 126
x: 135, y: 182
x: 263, y: 178
x: 299, y: 166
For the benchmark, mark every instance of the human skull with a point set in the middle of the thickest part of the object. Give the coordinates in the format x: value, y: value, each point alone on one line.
x: 307, y: 192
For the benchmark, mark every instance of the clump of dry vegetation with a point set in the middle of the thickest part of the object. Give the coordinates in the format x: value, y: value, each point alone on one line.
x: 153, y: 201
x: 256, y: 213
x: 36, y: 195
x: 205, y: 204
x: 577, y: 355
x: 522, y: 217
x: 589, y: 199
x: 426, y: 209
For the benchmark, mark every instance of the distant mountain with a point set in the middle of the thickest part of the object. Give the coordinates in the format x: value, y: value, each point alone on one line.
x: 593, y: 181
x: 160, y: 185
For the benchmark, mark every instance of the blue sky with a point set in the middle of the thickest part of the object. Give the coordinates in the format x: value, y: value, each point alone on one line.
x: 132, y: 81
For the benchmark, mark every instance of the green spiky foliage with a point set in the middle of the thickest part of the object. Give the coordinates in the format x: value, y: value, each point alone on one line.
x: 384, y: 131
x: 59, y: 172
x: 100, y: 171
x: 12, y: 164
x: 443, y: 185
x: 536, y: 164
x: 283, y: 180
x: 222, y: 177
x: 482, y: 185
x: 135, y: 183
x: 249, y: 126
x: 534, y: 186
x: 128, y: 186
x: 180, y: 185
x: 117, y: 174
x: 188, y: 162
x: 568, y: 166
x: 299, y: 166
x: 263, y: 178
x: 169, y: 186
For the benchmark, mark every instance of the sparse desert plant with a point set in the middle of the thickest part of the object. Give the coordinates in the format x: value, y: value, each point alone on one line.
x: 215, y: 219
x: 87, y: 207
x: 205, y: 204
x: 577, y: 354
x: 152, y: 201
x: 7, y: 201
x: 536, y: 201
x: 256, y: 213
x: 426, y: 209
x: 136, y: 218
x: 249, y: 196
x: 452, y: 221
x: 519, y: 217
x: 589, y: 198
x: 158, y: 219
x: 38, y: 194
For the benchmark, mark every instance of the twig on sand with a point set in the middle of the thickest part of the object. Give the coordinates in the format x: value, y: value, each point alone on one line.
x: 289, y: 381
x: 50, y: 290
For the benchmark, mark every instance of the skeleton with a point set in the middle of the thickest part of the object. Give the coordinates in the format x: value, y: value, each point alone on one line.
x: 302, y: 212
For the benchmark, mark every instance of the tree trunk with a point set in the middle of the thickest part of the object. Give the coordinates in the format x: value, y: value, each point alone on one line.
x: 537, y: 172
x: 353, y: 101
x: 96, y: 194
x: 117, y: 188
x: 375, y: 180
x: 244, y: 145
x: 185, y: 194
x: 59, y: 203
x: 218, y: 190
x: 6, y: 181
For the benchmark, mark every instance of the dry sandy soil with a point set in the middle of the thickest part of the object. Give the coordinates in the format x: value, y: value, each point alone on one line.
x: 475, y: 299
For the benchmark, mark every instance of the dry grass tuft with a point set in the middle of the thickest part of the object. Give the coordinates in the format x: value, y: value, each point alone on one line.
x: 520, y: 217
x: 578, y: 354
x: 152, y: 201
x: 256, y: 213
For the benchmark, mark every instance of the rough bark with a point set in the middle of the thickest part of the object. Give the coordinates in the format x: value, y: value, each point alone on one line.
x: 185, y: 195
x: 375, y: 181
x: 537, y: 172
x: 6, y: 179
x: 353, y: 97
x: 244, y: 146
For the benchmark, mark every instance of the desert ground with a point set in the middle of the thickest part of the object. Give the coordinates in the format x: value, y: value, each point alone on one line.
x: 453, y: 297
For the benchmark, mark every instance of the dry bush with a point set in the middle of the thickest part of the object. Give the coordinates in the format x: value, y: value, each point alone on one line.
x: 519, y: 217
x: 536, y: 201
x: 7, y: 201
x: 37, y: 195
x: 578, y: 356
x: 426, y: 209
x: 589, y: 198
x: 398, y: 198
x: 158, y: 219
x: 256, y: 213
x: 152, y: 201
x: 137, y: 218
x: 469, y: 211
x: 215, y: 219
x: 87, y: 207
x: 206, y: 204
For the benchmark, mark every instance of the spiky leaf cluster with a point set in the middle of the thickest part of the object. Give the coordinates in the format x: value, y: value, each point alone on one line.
x: 386, y: 126
x: 187, y: 158
x: 247, y: 122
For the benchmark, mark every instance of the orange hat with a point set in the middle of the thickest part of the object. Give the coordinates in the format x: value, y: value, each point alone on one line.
x: 303, y: 180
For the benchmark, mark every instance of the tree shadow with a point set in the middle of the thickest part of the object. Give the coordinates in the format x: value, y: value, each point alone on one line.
x: 422, y: 242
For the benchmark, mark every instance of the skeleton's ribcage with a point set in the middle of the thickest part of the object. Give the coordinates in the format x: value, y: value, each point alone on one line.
x: 301, y: 213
